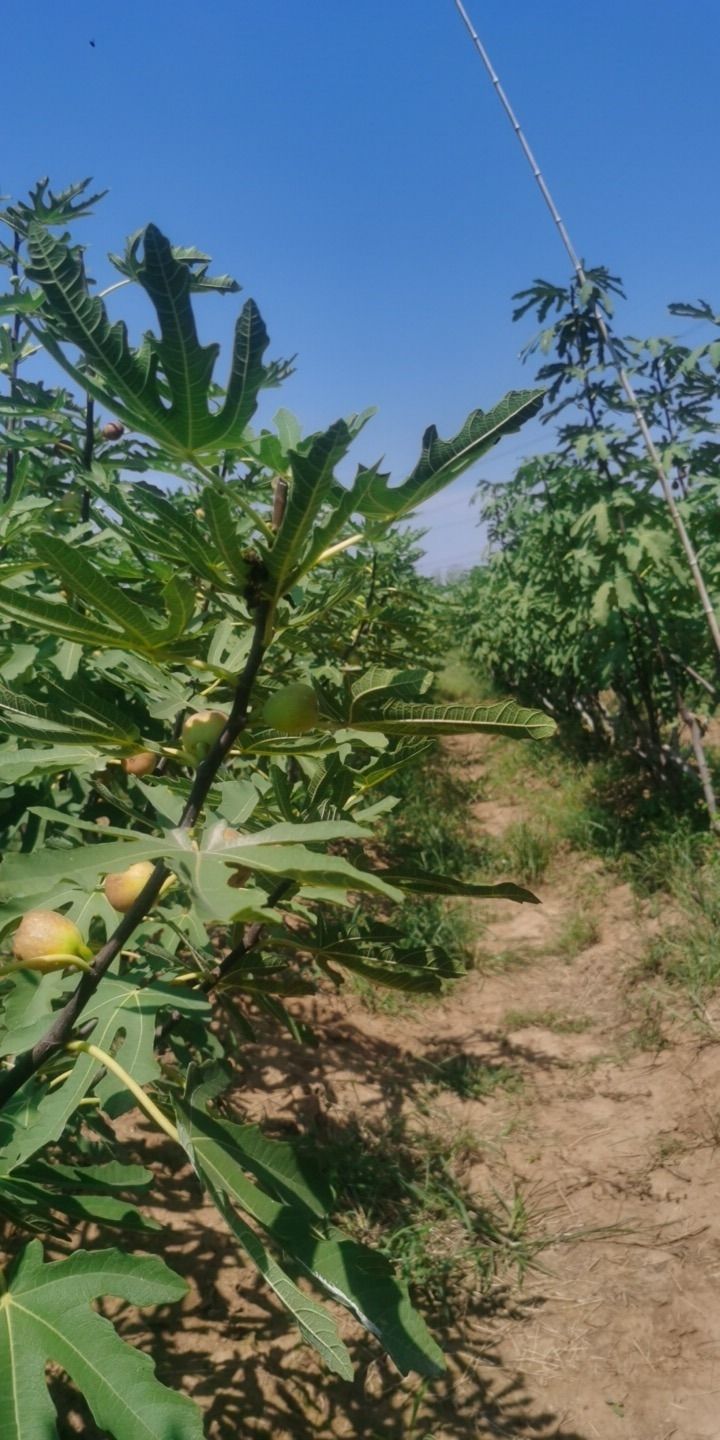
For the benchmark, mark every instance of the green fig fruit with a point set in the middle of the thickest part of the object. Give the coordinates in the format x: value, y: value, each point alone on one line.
x: 293, y: 710
x: 200, y: 731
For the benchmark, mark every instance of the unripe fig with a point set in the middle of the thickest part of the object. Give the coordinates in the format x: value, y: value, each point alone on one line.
x: 113, y: 430
x: 44, y: 936
x: 141, y: 764
x: 293, y: 709
x: 200, y: 732
x: 122, y: 889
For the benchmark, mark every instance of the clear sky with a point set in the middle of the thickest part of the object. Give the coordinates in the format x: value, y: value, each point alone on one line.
x: 349, y: 163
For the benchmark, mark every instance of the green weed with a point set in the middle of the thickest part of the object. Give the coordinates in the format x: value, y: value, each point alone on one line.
x: 430, y: 826
x: 528, y: 849
x: 637, y: 822
x: 497, y: 962
x: 672, y: 859
x: 380, y: 1000
x: 403, y: 1191
x: 601, y: 805
x: 686, y: 953
x: 577, y: 933
x: 670, y: 1146
x: 474, y: 1079
x: 429, y: 830
x: 426, y: 922
x: 555, y: 1020
x: 649, y: 1031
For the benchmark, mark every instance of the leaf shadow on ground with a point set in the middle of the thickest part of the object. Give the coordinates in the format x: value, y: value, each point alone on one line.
x: 231, y: 1346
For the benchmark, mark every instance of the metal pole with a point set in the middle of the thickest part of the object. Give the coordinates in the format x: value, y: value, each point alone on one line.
x: 623, y: 376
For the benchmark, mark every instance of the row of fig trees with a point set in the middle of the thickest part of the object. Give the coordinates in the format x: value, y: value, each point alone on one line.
x: 586, y: 601
x: 213, y: 660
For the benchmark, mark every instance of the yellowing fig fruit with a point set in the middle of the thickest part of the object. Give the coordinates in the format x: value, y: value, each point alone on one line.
x: 294, y: 709
x: 44, y: 937
x: 200, y: 732
x: 113, y: 430
x: 141, y: 764
x: 122, y: 889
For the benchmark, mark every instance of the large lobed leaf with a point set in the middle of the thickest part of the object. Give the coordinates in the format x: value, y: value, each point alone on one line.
x: 407, y: 719
x: 300, y: 541
x: 443, y: 460
x: 34, y: 1117
x: 164, y: 387
x: 278, y: 852
x: 312, y: 485
x: 46, y: 1315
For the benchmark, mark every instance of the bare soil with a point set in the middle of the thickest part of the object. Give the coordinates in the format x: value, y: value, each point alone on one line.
x: 612, y: 1139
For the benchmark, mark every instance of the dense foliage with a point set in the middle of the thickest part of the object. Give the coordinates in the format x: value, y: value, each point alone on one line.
x: 213, y: 659
x: 586, y: 600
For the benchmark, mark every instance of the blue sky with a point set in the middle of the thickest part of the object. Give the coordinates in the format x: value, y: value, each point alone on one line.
x: 350, y: 165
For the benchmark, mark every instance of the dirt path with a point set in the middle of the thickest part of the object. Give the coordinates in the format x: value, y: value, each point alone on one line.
x: 612, y: 1145
x: 614, y: 1129
x: 625, y: 1337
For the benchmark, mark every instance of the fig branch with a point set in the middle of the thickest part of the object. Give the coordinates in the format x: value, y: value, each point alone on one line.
x: 251, y: 935
x: 59, y: 1032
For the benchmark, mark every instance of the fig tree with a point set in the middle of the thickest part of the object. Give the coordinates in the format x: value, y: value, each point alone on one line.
x: 200, y: 732
x: 123, y: 888
x: 294, y: 709
x: 141, y: 764
x: 45, y: 937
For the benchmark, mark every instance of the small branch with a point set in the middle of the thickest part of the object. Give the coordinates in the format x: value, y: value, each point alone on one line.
x: 56, y: 1037
x: 694, y: 675
x: 250, y: 938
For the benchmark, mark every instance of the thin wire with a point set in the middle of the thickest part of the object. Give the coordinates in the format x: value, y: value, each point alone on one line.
x: 624, y: 378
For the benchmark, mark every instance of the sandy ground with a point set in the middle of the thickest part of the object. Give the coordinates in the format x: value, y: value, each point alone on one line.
x: 614, y: 1146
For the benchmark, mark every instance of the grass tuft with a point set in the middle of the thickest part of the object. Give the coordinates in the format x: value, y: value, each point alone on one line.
x: 528, y: 848
x: 474, y: 1079
x: 403, y: 1191
x: 686, y: 953
x: 577, y: 933
x: 429, y: 830
x: 555, y: 1020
